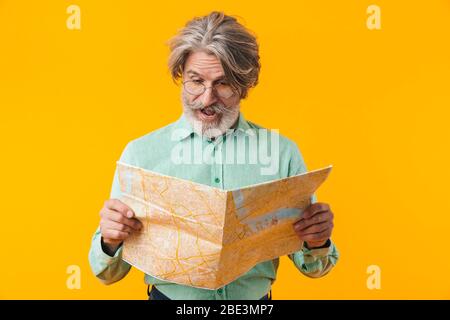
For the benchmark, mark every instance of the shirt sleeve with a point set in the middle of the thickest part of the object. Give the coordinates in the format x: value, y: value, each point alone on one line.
x: 313, y: 263
x: 109, y: 269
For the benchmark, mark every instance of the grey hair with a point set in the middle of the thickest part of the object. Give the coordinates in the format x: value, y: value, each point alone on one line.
x: 221, y: 35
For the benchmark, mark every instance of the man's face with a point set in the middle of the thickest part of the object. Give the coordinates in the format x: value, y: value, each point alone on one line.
x: 216, y: 109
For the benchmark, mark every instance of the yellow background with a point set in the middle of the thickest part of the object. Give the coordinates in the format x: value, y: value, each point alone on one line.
x: 374, y: 103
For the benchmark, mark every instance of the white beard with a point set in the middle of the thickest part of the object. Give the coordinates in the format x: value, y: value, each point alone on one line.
x: 226, y: 119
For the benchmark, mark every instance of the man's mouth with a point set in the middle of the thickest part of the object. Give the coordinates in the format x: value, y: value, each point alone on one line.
x: 207, y: 113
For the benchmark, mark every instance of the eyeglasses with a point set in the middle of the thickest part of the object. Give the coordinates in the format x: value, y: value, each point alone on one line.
x: 197, y: 88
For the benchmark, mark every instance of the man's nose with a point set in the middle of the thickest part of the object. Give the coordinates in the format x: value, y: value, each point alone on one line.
x: 209, y: 97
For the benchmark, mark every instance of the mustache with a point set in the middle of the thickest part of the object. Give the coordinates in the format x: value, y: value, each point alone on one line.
x: 218, y: 108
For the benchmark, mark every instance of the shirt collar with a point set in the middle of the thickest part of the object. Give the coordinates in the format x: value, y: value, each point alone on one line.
x: 183, y: 129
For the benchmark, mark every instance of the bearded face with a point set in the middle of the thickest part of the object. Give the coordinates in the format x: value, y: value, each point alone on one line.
x: 209, y: 103
x: 210, y: 121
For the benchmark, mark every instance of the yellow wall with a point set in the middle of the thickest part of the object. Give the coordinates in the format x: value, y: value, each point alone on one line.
x: 374, y: 103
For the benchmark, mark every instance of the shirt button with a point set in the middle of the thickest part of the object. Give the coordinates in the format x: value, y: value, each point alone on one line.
x: 220, y: 291
x: 217, y: 180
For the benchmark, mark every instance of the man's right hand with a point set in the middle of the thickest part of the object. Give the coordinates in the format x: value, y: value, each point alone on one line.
x: 116, y: 224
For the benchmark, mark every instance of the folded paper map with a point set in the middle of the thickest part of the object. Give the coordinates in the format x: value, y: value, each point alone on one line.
x: 205, y: 237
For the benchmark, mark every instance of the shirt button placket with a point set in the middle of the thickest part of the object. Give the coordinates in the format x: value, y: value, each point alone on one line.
x: 220, y: 294
x: 217, y: 167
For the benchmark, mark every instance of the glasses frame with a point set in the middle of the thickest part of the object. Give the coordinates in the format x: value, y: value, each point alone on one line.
x: 206, y: 88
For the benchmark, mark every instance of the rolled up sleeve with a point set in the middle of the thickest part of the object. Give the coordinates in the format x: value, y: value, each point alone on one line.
x: 110, y: 269
x: 314, y: 263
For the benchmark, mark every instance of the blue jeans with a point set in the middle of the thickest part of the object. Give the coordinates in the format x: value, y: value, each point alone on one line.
x: 155, y: 294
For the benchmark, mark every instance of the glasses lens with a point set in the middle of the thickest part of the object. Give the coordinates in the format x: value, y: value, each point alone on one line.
x: 224, y: 91
x: 194, y: 87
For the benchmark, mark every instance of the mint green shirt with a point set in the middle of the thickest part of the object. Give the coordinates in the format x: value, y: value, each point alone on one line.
x: 162, y: 151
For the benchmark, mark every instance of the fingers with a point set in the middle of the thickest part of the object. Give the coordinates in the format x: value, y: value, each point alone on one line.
x: 117, y: 222
x: 110, y: 235
x: 119, y: 206
x: 315, y: 228
x: 318, y: 218
x: 114, y: 233
x: 111, y: 215
x: 109, y: 224
x: 316, y: 224
x: 314, y: 209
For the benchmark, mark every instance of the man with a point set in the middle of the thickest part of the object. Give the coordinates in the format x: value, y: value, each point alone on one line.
x: 218, y: 62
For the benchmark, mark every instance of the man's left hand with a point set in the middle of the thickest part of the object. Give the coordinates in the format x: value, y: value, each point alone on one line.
x: 316, y: 225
